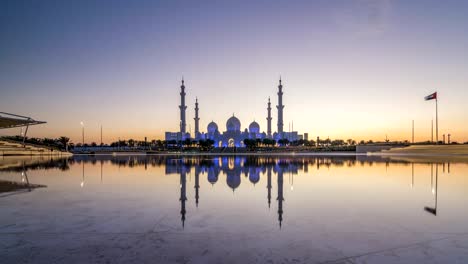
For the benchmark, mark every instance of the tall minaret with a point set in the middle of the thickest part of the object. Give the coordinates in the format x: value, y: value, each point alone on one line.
x: 269, y: 119
x: 280, y: 108
x: 197, y: 119
x: 182, y: 107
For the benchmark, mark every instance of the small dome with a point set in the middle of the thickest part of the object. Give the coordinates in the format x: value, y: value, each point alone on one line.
x: 212, y: 127
x: 254, y: 175
x: 212, y: 176
x: 254, y: 127
x: 233, y: 124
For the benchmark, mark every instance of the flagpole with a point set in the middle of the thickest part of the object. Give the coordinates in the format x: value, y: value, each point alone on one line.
x: 432, y: 131
x: 437, y: 123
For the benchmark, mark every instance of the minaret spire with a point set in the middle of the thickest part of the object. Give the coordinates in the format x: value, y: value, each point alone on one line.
x: 280, y: 108
x: 197, y: 120
x: 269, y: 119
x: 182, y: 108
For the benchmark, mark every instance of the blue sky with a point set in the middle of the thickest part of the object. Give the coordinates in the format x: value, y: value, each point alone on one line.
x: 350, y: 68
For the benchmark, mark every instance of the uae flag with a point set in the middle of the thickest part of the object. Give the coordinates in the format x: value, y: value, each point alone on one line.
x: 431, y: 97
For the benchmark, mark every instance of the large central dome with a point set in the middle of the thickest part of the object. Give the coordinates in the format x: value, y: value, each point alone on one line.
x: 233, y: 124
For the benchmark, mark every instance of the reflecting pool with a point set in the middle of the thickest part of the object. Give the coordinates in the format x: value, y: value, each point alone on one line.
x: 235, y: 209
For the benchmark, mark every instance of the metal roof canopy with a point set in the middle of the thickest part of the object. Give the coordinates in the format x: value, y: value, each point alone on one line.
x: 11, y: 120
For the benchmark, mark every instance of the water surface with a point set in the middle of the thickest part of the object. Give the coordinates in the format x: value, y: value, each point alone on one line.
x: 236, y: 209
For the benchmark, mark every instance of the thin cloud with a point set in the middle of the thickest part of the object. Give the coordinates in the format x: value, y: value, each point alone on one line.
x: 364, y: 17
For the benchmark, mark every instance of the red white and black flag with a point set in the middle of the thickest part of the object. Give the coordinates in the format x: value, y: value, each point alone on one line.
x: 431, y: 97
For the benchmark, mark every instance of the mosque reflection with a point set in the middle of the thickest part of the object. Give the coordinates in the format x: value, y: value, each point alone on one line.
x: 236, y: 169
x: 233, y: 167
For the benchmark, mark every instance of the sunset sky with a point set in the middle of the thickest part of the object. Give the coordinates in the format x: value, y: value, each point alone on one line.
x: 351, y: 69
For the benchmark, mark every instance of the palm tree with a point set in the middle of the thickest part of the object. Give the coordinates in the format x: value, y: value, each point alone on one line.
x: 64, y: 141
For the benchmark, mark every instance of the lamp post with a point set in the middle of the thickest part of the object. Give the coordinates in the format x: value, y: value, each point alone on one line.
x: 82, y: 133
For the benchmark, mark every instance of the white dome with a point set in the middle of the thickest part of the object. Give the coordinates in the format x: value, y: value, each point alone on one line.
x: 233, y: 124
x: 212, y: 127
x: 254, y: 127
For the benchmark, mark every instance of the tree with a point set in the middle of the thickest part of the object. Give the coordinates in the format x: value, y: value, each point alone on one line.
x: 283, y: 142
x: 268, y: 142
x: 250, y: 144
x: 205, y: 145
x: 64, y: 141
x: 187, y: 142
x: 337, y: 142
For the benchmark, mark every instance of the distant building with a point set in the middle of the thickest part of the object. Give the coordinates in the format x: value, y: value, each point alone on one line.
x: 233, y: 136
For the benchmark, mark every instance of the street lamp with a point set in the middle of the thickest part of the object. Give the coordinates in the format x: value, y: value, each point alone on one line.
x: 82, y: 132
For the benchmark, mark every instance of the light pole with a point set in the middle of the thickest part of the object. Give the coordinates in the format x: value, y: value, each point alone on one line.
x: 82, y: 132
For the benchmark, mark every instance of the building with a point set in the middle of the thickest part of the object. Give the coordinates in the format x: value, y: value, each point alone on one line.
x: 233, y: 135
x: 182, y: 134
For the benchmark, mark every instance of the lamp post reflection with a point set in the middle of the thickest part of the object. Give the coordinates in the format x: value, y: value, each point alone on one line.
x: 412, y: 175
x: 82, y: 176
x: 24, y: 178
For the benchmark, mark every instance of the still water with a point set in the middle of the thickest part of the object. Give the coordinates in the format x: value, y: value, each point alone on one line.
x: 236, y: 209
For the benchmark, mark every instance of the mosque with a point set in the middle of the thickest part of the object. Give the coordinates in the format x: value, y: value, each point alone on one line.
x: 233, y: 136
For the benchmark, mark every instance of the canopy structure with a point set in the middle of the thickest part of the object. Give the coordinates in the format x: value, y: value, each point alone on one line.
x: 10, y: 121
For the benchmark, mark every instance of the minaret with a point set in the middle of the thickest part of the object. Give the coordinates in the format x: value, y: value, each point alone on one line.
x: 197, y: 119
x: 280, y: 108
x: 269, y: 119
x: 182, y: 107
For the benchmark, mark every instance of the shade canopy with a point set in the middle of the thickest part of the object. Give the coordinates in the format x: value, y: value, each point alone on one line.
x: 10, y: 121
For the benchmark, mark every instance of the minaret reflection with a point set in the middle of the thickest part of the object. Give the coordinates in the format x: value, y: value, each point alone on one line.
x: 269, y: 186
x: 197, y: 184
x: 280, y: 198
x: 183, y: 194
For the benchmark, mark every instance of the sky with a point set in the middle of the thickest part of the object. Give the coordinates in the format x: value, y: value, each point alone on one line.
x: 351, y: 69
